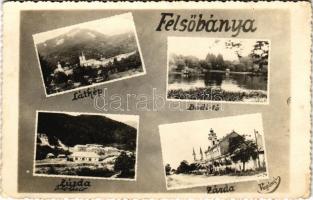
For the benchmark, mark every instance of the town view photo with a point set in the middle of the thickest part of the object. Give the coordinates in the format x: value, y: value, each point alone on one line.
x: 213, y: 151
x: 218, y: 69
x: 89, y: 53
x: 86, y: 145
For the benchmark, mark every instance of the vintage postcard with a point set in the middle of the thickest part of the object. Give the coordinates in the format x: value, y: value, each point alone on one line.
x: 156, y: 100
x: 219, y: 151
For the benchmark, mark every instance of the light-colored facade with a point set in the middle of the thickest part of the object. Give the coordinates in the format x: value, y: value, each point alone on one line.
x: 82, y: 156
x: 92, y: 152
x: 50, y: 155
x: 218, y: 155
x: 65, y: 70
x: 103, y: 61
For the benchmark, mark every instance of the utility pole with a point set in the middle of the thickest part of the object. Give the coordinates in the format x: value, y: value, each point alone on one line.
x: 194, y: 154
x: 257, y: 149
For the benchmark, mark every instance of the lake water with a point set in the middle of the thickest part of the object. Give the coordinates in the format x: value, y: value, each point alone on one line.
x: 227, y: 82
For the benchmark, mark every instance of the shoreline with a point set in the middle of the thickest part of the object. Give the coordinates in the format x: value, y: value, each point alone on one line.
x: 217, y: 71
x: 212, y: 94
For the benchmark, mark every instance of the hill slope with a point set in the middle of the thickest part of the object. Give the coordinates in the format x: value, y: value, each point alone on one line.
x: 68, y: 46
x: 85, y: 129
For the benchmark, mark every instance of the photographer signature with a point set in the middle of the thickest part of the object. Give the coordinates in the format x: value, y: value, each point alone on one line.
x: 270, y: 186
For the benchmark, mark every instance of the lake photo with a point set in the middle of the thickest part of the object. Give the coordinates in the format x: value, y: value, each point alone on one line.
x: 218, y: 70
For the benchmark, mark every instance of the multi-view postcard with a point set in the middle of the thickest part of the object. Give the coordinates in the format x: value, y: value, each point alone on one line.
x: 156, y: 100
x: 89, y: 54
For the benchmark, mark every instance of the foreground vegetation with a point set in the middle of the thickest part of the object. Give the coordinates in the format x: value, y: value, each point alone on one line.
x: 255, y: 62
x: 122, y: 167
x: 213, y: 94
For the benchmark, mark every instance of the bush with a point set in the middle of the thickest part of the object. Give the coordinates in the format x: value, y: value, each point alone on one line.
x: 125, y: 164
x: 214, y: 94
x: 100, y: 172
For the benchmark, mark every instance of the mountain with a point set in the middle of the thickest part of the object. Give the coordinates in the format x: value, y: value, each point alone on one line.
x: 70, y: 130
x: 68, y: 46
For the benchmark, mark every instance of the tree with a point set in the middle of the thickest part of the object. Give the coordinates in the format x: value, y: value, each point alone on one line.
x: 46, y: 69
x: 124, y: 163
x: 77, y: 74
x: 246, y: 63
x: 183, y: 167
x: 60, y: 77
x: 192, y: 61
x: 244, y: 151
x: 167, y: 169
x: 179, y: 62
x: 193, y: 166
x: 204, y: 65
x: 220, y: 62
x: 259, y: 54
x: 211, y: 60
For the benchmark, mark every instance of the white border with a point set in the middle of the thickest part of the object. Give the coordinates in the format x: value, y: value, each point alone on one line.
x: 212, y: 101
x: 96, y: 84
x: 210, y: 182
x: 84, y: 177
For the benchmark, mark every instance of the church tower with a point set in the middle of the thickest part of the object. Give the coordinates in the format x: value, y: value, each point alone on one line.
x: 201, y: 154
x: 59, y: 67
x: 212, y: 138
x: 82, y: 59
x: 194, y: 154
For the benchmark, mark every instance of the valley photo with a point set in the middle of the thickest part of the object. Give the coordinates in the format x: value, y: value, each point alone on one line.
x: 213, y: 151
x: 88, y: 54
x: 218, y: 69
x: 86, y: 145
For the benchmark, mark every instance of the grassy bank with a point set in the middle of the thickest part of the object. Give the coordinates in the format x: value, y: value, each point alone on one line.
x: 212, y: 94
x: 82, y: 169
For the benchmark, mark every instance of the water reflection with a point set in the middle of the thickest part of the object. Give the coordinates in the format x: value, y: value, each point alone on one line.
x: 227, y: 82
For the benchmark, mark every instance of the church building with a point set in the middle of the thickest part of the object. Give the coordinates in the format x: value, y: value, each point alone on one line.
x: 218, y: 151
x: 103, y: 61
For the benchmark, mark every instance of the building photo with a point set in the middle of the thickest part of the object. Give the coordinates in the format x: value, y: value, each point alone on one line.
x: 213, y: 151
x: 89, y: 53
x: 86, y: 145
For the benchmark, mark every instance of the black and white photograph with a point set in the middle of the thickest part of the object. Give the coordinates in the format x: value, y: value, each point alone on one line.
x: 86, y: 145
x: 89, y: 53
x: 213, y: 151
x: 218, y: 69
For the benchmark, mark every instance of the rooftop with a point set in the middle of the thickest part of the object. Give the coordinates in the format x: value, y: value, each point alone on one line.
x: 85, y: 154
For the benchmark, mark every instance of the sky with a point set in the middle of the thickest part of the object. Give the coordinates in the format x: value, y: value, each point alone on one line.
x: 117, y: 24
x: 179, y: 139
x: 201, y: 46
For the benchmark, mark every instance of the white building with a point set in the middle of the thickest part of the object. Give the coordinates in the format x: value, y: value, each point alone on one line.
x: 65, y: 70
x: 103, y: 61
x: 79, y: 147
x: 50, y: 155
x: 218, y: 153
x: 82, y: 156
